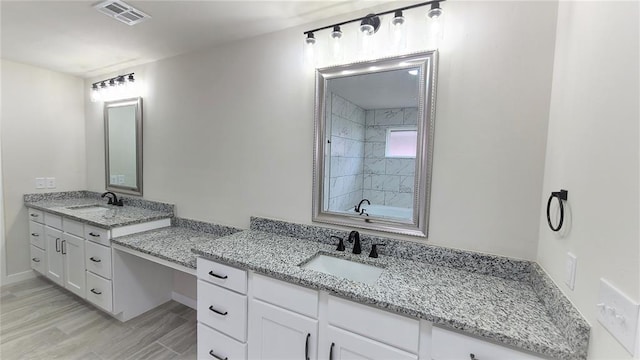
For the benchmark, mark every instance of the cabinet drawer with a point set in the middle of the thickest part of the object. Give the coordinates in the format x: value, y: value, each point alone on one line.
x: 73, y: 227
x: 99, y: 291
x: 285, y: 295
x: 55, y: 221
x: 212, y: 343
x: 222, y: 275
x: 399, y: 331
x: 36, y: 215
x: 36, y: 234
x: 98, y: 259
x: 452, y: 345
x: 96, y: 234
x: 223, y: 310
x: 38, y: 260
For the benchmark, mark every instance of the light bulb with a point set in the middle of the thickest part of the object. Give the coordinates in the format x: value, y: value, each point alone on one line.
x: 309, y: 53
x: 398, y: 33
x: 336, y: 44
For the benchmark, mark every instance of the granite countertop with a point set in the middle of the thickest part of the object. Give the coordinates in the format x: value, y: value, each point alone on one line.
x: 498, y: 309
x: 175, y: 243
x: 114, y: 216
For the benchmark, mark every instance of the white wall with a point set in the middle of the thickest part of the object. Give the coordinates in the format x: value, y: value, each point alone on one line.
x: 42, y: 136
x: 592, y: 151
x: 228, y: 131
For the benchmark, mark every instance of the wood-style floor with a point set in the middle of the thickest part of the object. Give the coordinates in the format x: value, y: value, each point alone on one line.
x: 39, y: 320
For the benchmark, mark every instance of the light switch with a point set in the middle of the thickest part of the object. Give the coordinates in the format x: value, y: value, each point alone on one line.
x: 113, y: 180
x: 618, y: 314
x: 570, y: 271
x: 120, y: 179
x: 40, y: 183
x: 51, y: 182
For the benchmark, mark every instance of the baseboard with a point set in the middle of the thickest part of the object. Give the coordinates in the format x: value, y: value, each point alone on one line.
x: 184, y: 300
x: 14, y: 278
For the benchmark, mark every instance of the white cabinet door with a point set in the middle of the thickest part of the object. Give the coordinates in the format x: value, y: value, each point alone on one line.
x: 345, y: 345
x: 55, y: 259
x: 73, y: 251
x: 279, y: 334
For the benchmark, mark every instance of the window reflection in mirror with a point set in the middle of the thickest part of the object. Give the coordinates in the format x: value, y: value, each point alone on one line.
x: 375, y: 124
x: 123, y: 146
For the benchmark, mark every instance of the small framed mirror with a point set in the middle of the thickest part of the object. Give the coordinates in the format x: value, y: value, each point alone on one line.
x: 123, y: 145
x: 373, y: 151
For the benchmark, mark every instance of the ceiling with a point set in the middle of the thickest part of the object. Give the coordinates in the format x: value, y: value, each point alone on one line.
x: 72, y: 37
x: 381, y: 90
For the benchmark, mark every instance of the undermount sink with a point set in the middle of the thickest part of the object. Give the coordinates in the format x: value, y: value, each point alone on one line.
x: 344, y: 268
x: 89, y: 208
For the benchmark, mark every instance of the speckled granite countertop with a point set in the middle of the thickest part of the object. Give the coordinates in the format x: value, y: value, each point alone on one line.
x: 133, y: 212
x: 498, y: 309
x: 174, y: 243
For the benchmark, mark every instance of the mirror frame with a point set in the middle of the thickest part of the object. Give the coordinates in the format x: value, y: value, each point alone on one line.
x: 427, y: 62
x: 137, y: 190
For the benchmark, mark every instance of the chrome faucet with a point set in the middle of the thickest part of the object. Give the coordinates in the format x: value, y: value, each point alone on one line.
x: 113, y: 199
x: 358, y: 209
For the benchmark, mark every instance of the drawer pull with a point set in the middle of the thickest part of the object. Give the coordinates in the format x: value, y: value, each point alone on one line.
x: 35, y: 234
x: 96, y: 292
x: 57, y: 245
x: 218, y: 312
x: 94, y: 259
x: 218, y: 276
x: 34, y: 215
x: 331, y: 351
x: 306, y: 347
x: 36, y: 259
x: 216, y: 356
x: 94, y: 234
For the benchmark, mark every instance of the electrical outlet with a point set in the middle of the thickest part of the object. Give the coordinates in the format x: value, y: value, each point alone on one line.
x: 120, y: 179
x: 618, y: 314
x: 40, y: 183
x: 51, y: 182
x: 570, y: 271
x: 113, y: 179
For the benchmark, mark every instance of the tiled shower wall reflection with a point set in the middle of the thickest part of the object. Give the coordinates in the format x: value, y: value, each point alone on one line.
x: 347, y: 154
x: 387, y: 181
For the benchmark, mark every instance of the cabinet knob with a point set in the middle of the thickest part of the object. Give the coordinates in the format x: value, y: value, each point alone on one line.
x: 472, y: 356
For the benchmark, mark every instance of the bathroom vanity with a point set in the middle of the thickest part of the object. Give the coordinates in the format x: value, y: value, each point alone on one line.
x: 257, y: 300
x: 70, y: 235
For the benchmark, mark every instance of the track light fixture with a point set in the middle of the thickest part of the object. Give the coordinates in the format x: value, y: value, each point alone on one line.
x: 106, y: 89
x: 369, y: 25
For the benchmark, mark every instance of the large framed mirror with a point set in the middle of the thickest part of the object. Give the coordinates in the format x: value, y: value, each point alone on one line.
x: 123, y: 145
x: 373, y: 152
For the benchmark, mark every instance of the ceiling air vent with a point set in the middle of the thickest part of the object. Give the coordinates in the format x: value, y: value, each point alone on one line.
x: 122, y: 12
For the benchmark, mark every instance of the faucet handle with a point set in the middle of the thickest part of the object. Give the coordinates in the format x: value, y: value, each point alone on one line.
x: 374, y: 250
x: 340, y: 243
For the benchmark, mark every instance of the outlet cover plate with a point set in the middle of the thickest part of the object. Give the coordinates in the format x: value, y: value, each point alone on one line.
x: 570, y: 271
x: 618, y: 314
x: 41, y: 183
x: 51, y: 182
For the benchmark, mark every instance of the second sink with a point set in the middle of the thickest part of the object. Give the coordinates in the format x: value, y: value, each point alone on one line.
x: 344, y: 268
